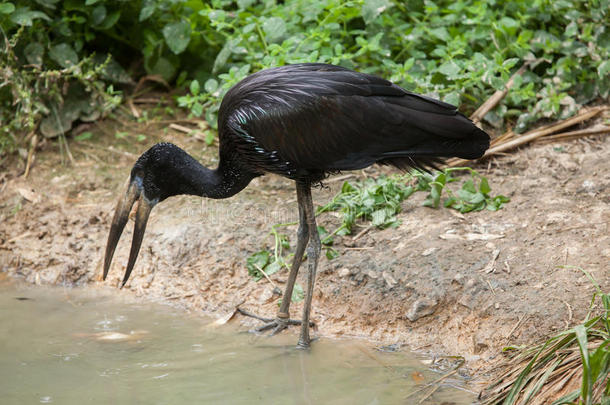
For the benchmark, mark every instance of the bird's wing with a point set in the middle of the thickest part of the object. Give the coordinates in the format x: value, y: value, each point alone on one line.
x: 323, y: 117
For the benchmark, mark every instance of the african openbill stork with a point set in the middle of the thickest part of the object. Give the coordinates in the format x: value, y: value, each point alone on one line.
x: 303, y: 122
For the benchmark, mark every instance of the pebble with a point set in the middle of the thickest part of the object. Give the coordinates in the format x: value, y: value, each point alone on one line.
x: 266, y: 296
x: 420, y: 308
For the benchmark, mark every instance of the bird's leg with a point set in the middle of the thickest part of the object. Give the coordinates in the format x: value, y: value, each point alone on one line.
x: 283, y: 315
x: 302, y: 237
x: 313, y: 253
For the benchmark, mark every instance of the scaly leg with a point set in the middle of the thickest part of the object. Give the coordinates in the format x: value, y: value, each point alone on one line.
x: 283, y: 315
x: 313, y: 253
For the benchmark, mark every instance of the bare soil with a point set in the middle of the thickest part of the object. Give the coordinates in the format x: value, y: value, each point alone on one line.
x: 439, y: 283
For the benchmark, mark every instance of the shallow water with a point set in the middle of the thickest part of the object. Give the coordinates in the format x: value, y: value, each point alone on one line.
x: 92, y: 346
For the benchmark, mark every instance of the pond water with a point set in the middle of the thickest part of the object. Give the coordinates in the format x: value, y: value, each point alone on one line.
x: 89, y: 346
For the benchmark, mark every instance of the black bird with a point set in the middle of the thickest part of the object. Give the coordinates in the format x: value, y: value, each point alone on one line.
x: 303, y: 122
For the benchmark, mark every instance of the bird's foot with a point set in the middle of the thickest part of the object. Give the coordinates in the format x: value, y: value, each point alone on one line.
x: 277, y: 324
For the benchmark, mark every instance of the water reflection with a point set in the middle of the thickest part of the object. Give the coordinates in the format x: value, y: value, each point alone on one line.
x: 88, y: 346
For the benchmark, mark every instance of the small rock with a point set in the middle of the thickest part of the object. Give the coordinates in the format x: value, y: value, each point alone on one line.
x: 420, y: 308
x: 429, y: 251
x: 389, y: 279
x: 588, y: 186
x: 480, y: 347
x: 497, y: 305
x: 266, y: 296
x: 344, y: 272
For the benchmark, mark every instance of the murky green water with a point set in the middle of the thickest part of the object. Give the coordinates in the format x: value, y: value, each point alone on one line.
x: 91, y: 347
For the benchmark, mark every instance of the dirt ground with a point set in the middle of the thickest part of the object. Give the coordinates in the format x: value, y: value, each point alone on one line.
x: 440, y: 283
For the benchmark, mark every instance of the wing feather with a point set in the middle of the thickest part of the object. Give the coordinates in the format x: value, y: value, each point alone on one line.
x: 316, y: 117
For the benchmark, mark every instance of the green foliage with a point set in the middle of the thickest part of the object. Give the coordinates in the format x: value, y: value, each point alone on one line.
x: 470, y: 197
x: 376, y: 202
x: 458, y: 51
x: 50, y: 99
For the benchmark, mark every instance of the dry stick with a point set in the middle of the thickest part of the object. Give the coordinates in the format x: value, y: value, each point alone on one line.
x: 265, y: 274
x: 535, y: 134
x: 362, y: 232
x: 495, y: 98
x: 181, y: 128
x: 577, y: 134
x: 132, y: 108
x: 28, y: 164
x: 435, y: 383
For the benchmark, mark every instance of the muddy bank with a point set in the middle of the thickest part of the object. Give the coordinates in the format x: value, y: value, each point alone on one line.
x: 440, y: 283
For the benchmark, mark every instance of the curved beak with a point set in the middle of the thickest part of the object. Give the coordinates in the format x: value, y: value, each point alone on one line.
x: 119, y: 220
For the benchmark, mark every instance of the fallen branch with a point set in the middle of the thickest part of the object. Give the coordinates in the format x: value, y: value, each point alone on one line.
x: 596, y: 130
x: 533, y: 135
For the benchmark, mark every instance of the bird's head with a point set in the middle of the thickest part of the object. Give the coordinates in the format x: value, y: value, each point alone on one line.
x: 158, y: 174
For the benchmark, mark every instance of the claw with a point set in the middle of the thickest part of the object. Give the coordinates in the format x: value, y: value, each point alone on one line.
x: 121, y: 214
x: 277, y: 324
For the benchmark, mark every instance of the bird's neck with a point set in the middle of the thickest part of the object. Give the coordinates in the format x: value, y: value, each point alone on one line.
x: 223, y: 182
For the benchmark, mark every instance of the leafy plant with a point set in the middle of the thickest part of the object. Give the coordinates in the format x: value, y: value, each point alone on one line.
x: 459, y: 51
x: 263, y: 262
x: 472, y: 196
x: 376, y: 202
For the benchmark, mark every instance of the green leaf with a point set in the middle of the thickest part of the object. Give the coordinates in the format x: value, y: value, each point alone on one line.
x: 440, y: 33
x: 223, y: 55
x: 256, y: 262
x: 297, y: 293
x: 110, y: 20
x: 98, y: 15
x: 450, y: 69
x: 24, y: 16
x: 571, y: 29
x: 371, y: 9
x: 33, y: 53
x: 509, y: 63
x: 452, y: 98
x: 244, y: 4
x: 147, y: 11
x: 197, y: 109
x: 587, y: 383
x: 164, y: 68
x: 378, y: 217
x: 91, y: 2
x: 7, y: 8
x: 273, y: 267
x: 469, y: 186
x: 83, y: 136
x: 194, y: 87
x: 603, y: 69
x: 210, y: 85
x: 484, y: 186
x: 64, y: 55
x: 331, y: 253
x: 274, y: 28
x: 209, y: 137
x: 177, y: 36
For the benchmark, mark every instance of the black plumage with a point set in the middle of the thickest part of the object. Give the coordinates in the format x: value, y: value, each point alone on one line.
x: 303, y: 122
